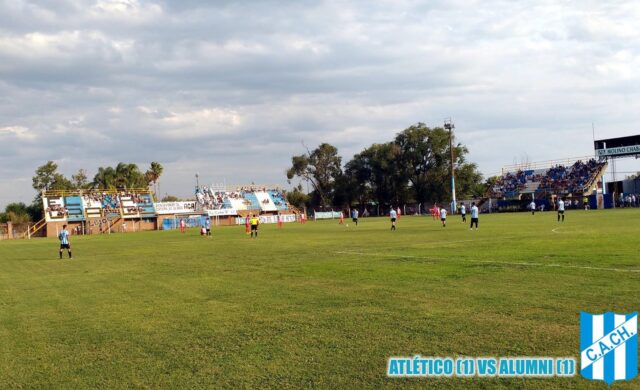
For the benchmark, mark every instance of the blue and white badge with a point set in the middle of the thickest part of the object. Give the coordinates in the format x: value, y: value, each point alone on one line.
x: 609, y: 346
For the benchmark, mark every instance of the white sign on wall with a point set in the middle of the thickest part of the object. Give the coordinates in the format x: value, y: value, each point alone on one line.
x: 175, y: 207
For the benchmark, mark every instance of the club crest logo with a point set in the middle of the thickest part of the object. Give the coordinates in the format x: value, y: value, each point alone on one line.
x: 609, y: 346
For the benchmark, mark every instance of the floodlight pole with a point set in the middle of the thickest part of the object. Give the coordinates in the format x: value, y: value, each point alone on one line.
x: 197, y: 181
x: 448, y: 125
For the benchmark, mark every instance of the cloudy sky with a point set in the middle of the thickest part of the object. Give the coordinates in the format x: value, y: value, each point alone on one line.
x: 230, y: 89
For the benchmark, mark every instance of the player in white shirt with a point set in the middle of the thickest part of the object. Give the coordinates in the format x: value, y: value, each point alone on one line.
x: 561, y: 209
x: 443, y: 216
x: 532, y: 206
x: 463, y: 212
x: 474, y: 216
x: 393, y: 215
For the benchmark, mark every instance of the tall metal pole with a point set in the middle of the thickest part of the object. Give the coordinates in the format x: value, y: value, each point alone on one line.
x: 448, y: 125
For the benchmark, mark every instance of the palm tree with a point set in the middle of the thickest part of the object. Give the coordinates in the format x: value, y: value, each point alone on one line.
x: 153, y: 175
x: 104, y: 178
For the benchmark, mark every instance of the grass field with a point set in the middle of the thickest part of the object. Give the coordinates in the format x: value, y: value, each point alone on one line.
x: 319, y: 305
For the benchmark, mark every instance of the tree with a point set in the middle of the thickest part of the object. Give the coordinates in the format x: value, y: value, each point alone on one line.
x: 16, y: 213
x: 104, y: 178
x: 129, y: 176
x: 153, y: 174
x: 377, y: 169
x: 320, y: 167
x: 80, y: 180
x: 297, y: 197
x: 170, y: 198
x: 47, y: 178
x: 124, y: 175
x: 426, y: 161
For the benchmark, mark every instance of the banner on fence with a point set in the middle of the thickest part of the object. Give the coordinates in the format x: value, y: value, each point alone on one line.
x: 222, y: 212
x: 269, y: 219
x: 175, y: 207
x: 326, y: 214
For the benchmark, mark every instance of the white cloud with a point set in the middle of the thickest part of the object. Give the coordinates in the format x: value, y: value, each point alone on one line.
x: 20, y: 132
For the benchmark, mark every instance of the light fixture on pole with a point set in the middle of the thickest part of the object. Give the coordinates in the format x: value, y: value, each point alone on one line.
x: 448, y: 125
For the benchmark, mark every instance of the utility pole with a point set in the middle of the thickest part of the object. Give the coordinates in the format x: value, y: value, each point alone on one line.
x: 448, y: 125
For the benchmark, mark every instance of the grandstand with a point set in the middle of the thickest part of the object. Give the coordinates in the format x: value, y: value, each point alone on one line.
x: 572, y: 177
x: 105, y: 211
x: 220, y: 200
x: 95, y: 211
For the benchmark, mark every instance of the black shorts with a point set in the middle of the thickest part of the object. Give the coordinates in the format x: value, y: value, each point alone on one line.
x: 443, y: 219
x: 393, y: 219
x: 65, y: 246
x: 474, y: 220
x: 355, y: 219
x: 254, y: 227
x: 560, y: 211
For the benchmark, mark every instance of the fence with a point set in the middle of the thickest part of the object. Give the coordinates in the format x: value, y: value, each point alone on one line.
x: 9, y: 230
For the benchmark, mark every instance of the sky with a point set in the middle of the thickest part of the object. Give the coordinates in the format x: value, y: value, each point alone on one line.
x: 232, y: 89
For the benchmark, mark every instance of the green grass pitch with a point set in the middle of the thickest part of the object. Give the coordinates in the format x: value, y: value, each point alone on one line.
x: 318, y: 305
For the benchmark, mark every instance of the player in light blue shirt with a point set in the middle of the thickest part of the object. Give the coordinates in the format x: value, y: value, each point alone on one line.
x: 394, y: 216
x: 474, y: 216
x: 64, y: 241
x: 207, y: 225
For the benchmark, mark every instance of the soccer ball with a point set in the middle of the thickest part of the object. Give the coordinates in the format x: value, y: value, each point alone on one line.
x: 347, y: 225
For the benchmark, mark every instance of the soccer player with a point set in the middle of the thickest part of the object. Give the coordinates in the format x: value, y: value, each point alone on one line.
x: 561, y: 209
x: 354, y: 216
x: 532, y: 206
x: 247, y: 224
x: 474, y: 215
x: 443, y: 216
x: 463, y: 212
x: 183, y: 225
x: 393, y: 214
x: 207, y: 225
x: 64, y: 241
x: 255, y: 221
x: 435, y: 211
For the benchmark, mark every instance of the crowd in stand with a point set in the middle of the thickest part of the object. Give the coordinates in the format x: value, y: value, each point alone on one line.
x: 569, y: 179
x: 56, y: 211
x: 558, y: 179
x: 211, y: 199
x: 278, y: 198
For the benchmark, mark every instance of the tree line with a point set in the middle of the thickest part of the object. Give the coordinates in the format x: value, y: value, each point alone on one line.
x: 47, y: 178
x: 414, y: 167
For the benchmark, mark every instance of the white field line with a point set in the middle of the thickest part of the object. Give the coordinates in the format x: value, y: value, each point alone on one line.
x: 514, y: 263
x: 444, y: 243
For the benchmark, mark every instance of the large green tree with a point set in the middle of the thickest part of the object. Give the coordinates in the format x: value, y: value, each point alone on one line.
x: 48, y: 178
x: 377, y: 173
x: 321, y: 168
x: 297, y: 197
x: 80, y: 179
x: 425, y: 158
x: 124, y: 175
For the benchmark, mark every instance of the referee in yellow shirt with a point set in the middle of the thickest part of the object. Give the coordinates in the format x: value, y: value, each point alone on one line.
x: 255, y: 221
